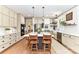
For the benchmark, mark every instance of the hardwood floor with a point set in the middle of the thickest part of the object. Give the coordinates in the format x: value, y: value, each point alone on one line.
x: 22, y: 48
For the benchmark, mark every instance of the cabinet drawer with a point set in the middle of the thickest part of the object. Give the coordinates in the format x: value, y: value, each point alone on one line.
x: 11, y: 42
x: 2, y: 42
x: 2, y: 47
x: 6, y: 36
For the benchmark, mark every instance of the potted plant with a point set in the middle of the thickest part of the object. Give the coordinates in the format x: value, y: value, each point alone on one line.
x: 39, y: 30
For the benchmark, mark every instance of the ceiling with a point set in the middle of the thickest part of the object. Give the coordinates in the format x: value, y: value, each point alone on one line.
x: 49, y: 10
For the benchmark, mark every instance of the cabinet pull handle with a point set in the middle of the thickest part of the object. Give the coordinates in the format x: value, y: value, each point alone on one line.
x: 3, y: 47
x: 9, y: 43
x: 2, y: 41
x: 70, y: 36
x: 10, y: 35
x: 10, y: 38
x: 2, y: 36
x: 64, y: 35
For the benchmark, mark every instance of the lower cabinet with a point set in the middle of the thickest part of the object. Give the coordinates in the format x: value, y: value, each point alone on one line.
x: 8, y: 40
x: 2, y: 47
x: 71, y: 41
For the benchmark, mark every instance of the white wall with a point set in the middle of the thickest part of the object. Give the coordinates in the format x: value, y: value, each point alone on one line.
x: 74, y: 29
x: 22, y: 19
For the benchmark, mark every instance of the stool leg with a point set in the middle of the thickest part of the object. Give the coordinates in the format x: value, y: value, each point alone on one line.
x: 44, y: 47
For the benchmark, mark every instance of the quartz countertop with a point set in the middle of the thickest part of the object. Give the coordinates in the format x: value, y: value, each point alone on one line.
x: 3, y: 34
x: 39, y: 34
x: 69, y: 33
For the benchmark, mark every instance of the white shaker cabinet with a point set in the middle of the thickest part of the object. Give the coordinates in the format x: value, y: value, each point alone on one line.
x: 66, y: 39
x: 12, y: 14
x: 5, y: 20
x: 11, y: 22
x: 8, y: 40
x: 15, y: 22
x: 0, y: 19
x: 5, y: 10
x: 71, y: 41
x: 0, y: 8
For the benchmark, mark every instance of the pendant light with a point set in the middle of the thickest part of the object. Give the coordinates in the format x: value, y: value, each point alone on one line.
x: 33, y: 10
x: 43, y: 13
x: 33, y: 17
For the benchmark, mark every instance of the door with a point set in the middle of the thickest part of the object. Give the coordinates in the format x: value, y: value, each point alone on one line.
x: 22, y: 29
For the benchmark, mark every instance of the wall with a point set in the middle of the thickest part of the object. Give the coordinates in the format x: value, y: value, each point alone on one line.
x: 22, y: 19
x: 74, y: 29
x: 29, y: 22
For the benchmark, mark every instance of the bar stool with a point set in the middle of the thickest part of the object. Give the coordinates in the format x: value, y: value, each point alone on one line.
x: 33, y: 42
x: 47, y: 43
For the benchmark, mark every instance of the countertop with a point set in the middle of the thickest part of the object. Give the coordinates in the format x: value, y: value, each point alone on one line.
x: 7, y: 34
x: 69, y: 33
x: 34, y: 33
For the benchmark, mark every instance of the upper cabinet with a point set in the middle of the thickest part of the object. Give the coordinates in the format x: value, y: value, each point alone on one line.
x: 15, y: 20
x: 0, y: 19
x: 12, y: 13
x: 8, y: 17
x: 0, y: 8
x: 5, y: 20
x: 5, y: 10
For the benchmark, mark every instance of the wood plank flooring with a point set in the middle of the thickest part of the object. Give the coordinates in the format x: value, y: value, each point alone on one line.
x: 22, y: 48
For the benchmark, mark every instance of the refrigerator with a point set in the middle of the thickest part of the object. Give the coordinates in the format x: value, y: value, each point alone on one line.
x: 22, y: 29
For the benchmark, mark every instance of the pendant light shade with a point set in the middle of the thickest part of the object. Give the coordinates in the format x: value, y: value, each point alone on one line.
x: 43, y: 13
x: 33, y: 10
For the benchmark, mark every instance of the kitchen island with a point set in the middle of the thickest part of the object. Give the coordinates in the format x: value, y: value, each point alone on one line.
x: 40, y: 39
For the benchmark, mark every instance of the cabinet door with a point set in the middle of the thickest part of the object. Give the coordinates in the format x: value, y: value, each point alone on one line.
x: 0, y: 9
x: 15, y: 22
x: 65, y: 39
x: 5, y: 10
x: 5, y: 20
x: 0, y: 19
x: 11, y: 22
x: 12, y: 13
